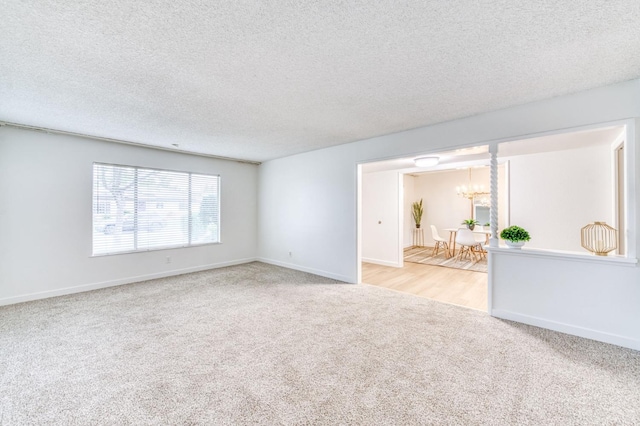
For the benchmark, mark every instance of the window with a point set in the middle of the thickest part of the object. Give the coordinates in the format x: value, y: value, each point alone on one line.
x: 136, y: 209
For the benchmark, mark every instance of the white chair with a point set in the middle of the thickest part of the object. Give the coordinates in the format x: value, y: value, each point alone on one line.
x: 440, y: 242
x: 481, y: 239
x: 468, y: 244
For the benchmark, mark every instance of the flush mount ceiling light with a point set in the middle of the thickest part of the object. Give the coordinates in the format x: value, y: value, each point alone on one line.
x: 426, y: 161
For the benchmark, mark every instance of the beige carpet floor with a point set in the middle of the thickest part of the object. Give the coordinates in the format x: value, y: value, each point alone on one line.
x: 258, y: 344
x: 423, y: 255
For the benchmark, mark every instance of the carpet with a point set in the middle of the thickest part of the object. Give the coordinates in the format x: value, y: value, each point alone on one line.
x: 259, y: 344
x: 423, y: 255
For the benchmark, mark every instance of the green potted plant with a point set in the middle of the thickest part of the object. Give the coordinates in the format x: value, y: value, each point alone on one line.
x: 514, y: 236
x: 416, y: 211
x: 471, y: 223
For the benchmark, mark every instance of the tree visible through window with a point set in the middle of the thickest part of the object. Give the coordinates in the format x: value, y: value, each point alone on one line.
x: 136, y: 209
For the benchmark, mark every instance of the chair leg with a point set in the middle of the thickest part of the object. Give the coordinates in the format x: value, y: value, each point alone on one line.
x: 482, y: 251
x: 463, y: 250
x: 436, y: 249
x: 474, y: 253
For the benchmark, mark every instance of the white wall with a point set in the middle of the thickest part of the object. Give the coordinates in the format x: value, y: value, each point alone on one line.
x: 325, y: 238
x: 595, y: 300
x: 48, y: 254
x: 381, y: 218
x: 555, y: 194
x: 307, y: 207
x: 443, y: 207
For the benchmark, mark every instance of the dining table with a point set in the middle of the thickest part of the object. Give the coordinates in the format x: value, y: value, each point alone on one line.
x: 453, y: 232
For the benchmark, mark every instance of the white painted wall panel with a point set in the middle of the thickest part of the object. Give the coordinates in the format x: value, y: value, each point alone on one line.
x: 308, y: 209
x: 593, y: 300
x: 381, y: 219
x: 46, y: 254
x: 555, y: 194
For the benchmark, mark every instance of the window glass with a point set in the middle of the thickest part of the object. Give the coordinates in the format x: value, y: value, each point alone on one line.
x: 136, y: 209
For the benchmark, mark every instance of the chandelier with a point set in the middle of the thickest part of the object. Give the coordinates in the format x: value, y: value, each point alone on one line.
x: 471, y: 191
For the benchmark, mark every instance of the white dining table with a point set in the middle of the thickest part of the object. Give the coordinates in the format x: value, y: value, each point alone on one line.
x: 452, y: 238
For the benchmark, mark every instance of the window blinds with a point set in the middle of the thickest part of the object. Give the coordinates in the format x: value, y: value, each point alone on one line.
x: 138, y: 209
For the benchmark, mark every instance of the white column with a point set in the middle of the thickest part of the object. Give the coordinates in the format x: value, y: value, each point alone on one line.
x: 493, y: 150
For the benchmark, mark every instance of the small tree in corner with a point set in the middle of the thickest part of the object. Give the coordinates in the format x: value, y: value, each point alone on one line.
x: 416, y: 211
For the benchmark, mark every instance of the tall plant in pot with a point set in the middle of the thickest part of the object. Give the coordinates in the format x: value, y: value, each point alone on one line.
x: 416, y: 211
x: 514, y: 236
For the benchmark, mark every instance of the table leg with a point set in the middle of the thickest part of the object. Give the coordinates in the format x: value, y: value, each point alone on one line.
x: 452, y: 243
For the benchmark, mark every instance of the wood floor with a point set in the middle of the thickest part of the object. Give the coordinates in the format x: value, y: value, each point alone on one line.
x: 448, y: 285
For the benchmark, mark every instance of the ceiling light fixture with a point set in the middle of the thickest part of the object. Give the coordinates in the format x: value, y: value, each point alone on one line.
x: 426, y: 161
x: 471, y: 191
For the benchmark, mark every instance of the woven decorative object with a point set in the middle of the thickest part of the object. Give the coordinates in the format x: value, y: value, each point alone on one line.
x: 599, y: 238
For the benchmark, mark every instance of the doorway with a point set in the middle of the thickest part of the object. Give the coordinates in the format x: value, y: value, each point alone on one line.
x: 398, y: 256
x: 551, y: 185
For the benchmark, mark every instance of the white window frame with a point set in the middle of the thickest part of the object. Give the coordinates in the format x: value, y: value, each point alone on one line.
x: 139, y: 168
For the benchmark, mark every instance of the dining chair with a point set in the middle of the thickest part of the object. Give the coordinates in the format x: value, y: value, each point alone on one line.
x: 481, y: 239
x: 468, y: 244
x: 440, y: 242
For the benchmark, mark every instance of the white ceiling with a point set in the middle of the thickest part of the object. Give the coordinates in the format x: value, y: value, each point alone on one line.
x: 258, y: 80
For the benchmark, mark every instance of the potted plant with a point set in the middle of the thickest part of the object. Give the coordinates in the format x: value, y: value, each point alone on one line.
x: 514, y: 236
x: 416, y: 211
x: 471, y: 223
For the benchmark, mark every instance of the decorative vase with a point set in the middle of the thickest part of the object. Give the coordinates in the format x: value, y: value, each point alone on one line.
x: 516, y: 245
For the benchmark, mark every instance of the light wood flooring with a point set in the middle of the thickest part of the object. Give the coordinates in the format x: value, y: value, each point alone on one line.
x: 448, y: 285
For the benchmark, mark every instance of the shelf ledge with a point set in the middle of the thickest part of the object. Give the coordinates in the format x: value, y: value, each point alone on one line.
x: 564, y: 255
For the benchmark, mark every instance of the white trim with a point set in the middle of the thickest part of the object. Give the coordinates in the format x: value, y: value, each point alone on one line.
x: 507, y: 189
x: 319, y: 272
x: 489, y: 280
x: 618, y: 143
x: 568, y: 329
x: 400, y: 205
x: 486, y: 142
x: 113, y: 283
x: 383, y: 262
x: 120, y: 141
x: 630, y: 189
x: 358, y: 224
x: 565, y: 255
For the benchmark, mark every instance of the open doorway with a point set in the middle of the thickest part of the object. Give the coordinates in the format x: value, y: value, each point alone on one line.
x: 552, y: 185
x: 398, y: 255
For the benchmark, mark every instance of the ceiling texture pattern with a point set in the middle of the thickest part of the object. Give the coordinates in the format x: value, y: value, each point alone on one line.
x: 261, y: 80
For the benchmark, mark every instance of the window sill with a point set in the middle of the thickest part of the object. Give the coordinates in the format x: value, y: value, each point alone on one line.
x: 565, y: 255
x: 154, y: 249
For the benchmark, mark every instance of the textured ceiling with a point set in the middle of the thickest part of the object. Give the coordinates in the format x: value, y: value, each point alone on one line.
x: 261, y: 80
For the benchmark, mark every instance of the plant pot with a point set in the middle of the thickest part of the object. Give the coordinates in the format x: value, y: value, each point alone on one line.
x: 471, y: 227
x: 417, y: 226
x: 516, y: 245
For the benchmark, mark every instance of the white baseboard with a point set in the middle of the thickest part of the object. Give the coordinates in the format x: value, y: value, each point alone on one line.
x: 309, y: 270
x: 614, y: 339
x: 381, y: 262
x: 129, y: 280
